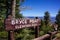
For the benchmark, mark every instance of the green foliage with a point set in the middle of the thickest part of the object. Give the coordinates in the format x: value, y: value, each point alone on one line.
x: 25, y: 34
x: 45, y: 24
x: 58, y: 19
x: 19, y: 15
x: 18, y: 10
x: 41, y: 33
x: 45, y: 28
x: 47, y: 18
x: 3, y: 34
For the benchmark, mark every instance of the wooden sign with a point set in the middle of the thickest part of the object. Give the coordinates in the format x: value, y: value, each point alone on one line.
x: 13, y: 24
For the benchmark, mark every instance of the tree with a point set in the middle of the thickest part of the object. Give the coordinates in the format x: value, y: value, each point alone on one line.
x: 18, y: 4
x: 58, y: 19
x: 47, y: 18
x: 4, y: 6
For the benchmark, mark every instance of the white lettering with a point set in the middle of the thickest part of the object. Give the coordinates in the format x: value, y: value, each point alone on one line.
x: 13, y: 22
x: 17, y: 21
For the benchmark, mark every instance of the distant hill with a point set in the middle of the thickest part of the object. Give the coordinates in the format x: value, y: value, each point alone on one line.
x: 51, y: 18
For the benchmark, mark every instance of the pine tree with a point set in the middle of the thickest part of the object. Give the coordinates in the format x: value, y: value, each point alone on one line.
x: 58, y: 19
x: 47, y: 18
x: 18, y: 10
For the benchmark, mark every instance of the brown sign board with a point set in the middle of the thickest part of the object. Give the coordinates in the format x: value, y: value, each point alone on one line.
x: 13, y: 24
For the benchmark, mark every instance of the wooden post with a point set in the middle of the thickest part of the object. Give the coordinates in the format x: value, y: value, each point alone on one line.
x: 13, y: 5
x: 11, y: 11
x: 10, y: 35
x: 36, y: 30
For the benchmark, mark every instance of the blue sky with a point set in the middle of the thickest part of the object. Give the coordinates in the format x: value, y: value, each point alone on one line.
x: 39, y: 7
